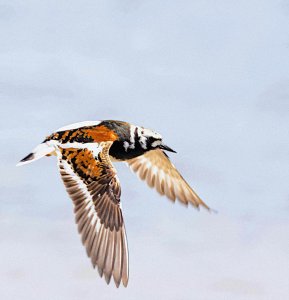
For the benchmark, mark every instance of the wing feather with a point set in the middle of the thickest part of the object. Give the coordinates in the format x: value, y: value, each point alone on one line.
x: 95, y: 191
x: 157, y: 170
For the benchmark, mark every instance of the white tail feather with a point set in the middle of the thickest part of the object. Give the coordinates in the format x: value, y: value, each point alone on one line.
x: 38, y: 152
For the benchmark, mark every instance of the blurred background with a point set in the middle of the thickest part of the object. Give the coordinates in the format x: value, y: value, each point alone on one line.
x: 212, y: 78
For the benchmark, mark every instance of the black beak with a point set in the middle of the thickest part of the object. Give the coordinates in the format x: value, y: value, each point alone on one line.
x: 164, y: 147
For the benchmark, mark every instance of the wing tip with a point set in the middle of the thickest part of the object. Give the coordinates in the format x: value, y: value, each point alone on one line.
x: 203, y: 205
x: 26, y: 160
x: 107, y: 278
x: 212, y: 210
x: 125, y: 282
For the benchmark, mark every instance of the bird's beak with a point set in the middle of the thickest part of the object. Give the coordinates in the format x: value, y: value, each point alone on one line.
x: 164, y: 147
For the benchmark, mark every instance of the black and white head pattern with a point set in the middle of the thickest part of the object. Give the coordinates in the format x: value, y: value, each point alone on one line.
x: 142, y: 138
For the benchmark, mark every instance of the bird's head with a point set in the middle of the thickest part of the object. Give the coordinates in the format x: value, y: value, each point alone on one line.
x: 151, y: 140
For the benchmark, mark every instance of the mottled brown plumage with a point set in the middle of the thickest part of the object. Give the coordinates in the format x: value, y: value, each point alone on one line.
x: 96, y: 199
x: 84, y: 152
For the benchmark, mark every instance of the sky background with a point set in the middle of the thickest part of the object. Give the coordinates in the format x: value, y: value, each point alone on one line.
x: 212, y: 78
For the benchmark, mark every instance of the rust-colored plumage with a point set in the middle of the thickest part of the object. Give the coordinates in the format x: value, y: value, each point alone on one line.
x: 84, y: 152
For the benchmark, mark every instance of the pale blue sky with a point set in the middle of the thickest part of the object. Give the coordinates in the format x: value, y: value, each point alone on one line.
x: 212, y: 77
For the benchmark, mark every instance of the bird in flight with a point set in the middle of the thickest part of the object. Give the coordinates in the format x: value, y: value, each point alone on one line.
x: 85, y: 152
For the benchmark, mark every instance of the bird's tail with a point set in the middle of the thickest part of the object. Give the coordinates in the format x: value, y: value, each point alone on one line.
x: 41, y: 150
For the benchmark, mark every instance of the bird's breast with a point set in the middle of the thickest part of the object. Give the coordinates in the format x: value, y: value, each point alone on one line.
x: 122, y: 150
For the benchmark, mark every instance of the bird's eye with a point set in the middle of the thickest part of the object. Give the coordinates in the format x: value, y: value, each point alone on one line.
x: 142, y: 132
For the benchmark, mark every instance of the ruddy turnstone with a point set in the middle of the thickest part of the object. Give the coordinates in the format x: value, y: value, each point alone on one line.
x: 85, y: 152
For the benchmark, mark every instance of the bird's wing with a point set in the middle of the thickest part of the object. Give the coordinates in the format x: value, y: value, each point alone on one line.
x: 157, y: 170
x: 92, y: 184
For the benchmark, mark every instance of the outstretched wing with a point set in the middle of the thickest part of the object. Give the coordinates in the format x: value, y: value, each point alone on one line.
x: 94, y: 188
x: 157, y: 170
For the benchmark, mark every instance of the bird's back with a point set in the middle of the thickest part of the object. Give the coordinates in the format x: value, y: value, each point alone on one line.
x: 91, y: 132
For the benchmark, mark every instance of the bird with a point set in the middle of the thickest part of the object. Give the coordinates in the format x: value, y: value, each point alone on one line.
x: 85, y: 152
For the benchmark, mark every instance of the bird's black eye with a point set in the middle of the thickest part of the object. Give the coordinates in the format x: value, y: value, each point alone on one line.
x: 142, y: 132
